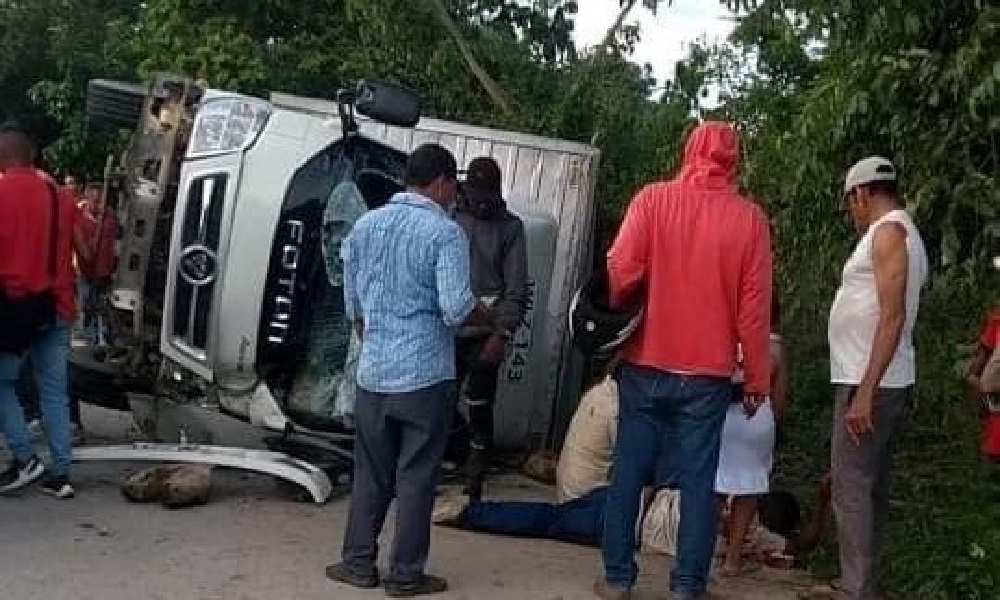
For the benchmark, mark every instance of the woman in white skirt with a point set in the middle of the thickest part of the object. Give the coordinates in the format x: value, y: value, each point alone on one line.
x: 746, y: 451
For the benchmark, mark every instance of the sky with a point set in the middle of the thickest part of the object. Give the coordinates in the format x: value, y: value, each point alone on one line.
x: 664, y: 36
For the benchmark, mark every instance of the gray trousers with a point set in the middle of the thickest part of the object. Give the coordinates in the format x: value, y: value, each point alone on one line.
x: 860, y: 487
x: 398, y: 447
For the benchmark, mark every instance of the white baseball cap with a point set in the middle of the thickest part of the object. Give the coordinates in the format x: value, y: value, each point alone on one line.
x: 869, y: 170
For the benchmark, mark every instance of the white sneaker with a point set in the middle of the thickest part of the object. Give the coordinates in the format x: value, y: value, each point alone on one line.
x: 19, y: 476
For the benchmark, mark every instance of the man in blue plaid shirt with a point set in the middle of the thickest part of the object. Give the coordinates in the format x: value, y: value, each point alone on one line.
x: 407, y: 289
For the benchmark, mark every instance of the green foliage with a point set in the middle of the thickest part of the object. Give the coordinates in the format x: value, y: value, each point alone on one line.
x: 829, y: 84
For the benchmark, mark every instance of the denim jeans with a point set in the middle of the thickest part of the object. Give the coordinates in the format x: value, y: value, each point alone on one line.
x: 49, y: 357
x: 578, y: 521
x: 681, y: 416
x: 90, y: 322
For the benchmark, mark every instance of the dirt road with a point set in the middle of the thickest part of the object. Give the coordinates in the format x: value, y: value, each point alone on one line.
x: 255, y: 542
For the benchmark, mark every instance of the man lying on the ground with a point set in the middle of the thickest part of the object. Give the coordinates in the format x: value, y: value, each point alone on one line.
x: 581, y: 489
x: 581, y: 483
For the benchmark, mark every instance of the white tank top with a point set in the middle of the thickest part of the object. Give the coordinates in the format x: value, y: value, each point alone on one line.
x: 855, y: 311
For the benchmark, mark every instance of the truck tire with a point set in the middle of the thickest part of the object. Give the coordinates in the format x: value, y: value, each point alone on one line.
x: 96, y: 382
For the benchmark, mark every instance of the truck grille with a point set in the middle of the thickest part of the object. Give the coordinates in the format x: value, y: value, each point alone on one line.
x: 198, y: 263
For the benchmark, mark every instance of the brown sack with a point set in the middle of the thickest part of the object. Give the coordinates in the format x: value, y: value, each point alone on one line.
x: 175, y: 486
x: 146, y: 485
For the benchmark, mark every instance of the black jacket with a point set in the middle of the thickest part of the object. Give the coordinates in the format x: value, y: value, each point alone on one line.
x: 499, y: 257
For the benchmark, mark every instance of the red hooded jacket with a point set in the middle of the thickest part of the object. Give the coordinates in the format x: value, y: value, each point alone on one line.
x: 704, y: 255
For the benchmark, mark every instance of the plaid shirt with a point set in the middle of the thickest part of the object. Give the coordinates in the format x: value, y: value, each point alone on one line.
x: 406, y: 276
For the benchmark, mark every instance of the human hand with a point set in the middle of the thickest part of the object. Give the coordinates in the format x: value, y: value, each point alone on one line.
x: 495, y: 350
x: 752, y: 402
x: 858, y: 419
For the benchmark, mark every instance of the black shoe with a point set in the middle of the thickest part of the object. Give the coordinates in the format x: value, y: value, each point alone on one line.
x: 20, y: 475
x: 58, y: 486
x: 341, y: 573
x: 424, y: 586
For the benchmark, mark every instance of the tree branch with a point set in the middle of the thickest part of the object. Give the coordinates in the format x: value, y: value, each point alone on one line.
x: 492, y: 88
x: 609, y: 37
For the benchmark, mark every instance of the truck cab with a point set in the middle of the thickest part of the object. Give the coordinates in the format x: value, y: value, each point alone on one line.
x: 228, y: 291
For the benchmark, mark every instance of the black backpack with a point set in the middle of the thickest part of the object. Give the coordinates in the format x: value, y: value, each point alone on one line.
x: 25, y: 318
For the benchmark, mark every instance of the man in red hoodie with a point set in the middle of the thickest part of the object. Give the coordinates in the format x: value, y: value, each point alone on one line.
x: 701, y: 255
x: 27, y: 198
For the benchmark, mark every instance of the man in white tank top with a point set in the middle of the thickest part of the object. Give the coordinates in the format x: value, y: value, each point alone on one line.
x: 872, y: 364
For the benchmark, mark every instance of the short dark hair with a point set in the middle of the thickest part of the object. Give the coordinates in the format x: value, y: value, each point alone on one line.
x: 427, y: 163
x: 780, y: 513
x: 17, y: 142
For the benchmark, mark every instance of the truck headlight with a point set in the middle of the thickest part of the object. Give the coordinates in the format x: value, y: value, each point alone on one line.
x: 227, y: 125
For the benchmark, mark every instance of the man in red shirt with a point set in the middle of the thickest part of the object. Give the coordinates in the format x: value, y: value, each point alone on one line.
x: 72, y: 185
x: 989, y: 338
x: 701, y: 254
x: 25, y: 246
x: 96, y: 234
x: 984, y: 381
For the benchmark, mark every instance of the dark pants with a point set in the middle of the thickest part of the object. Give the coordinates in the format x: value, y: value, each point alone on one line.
x: 399, y: 443
x: 860, y: 487
x: 579, y: 521
x: 680, y: 416
x: 480, y: 379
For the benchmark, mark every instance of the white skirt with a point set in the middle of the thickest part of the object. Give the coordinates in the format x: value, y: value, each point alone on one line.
x: 746, y: 451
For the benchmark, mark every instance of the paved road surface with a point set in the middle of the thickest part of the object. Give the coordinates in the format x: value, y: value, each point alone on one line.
x: 255, y: 542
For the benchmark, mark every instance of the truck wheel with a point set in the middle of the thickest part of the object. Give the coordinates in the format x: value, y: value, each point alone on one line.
x: 96, y: 382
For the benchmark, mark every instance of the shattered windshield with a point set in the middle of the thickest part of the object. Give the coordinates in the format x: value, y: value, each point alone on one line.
x: 322, y: 369
x: 324, y: 385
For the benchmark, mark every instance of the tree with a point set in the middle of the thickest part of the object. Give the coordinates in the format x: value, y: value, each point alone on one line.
x: 816, y: 86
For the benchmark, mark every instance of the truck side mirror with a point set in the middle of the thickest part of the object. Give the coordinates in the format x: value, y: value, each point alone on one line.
x: 387, y: 103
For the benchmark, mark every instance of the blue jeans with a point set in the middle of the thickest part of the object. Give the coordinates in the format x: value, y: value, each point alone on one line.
x: 681, y: 416
x: 49, y: 357
x: 579, y: 521
x: 90, y: 322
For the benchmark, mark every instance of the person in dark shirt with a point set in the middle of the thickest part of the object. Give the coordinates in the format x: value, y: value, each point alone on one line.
x: 498, y: 254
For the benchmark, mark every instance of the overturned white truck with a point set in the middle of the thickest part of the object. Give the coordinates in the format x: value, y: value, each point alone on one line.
x: 226, y: 305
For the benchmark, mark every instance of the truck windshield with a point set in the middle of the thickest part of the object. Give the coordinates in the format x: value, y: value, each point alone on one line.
x: 308, y: 350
